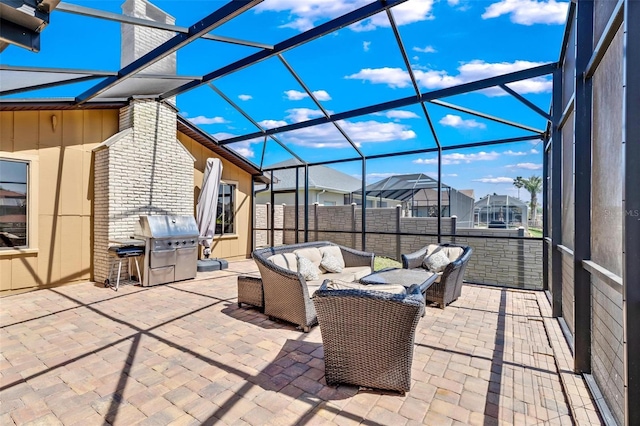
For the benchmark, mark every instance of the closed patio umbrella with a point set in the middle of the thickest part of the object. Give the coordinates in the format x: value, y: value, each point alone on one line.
x: 208, y: 203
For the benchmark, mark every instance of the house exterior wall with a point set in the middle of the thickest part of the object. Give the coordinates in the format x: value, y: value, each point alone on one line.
x: 238, y: 245
x: 60, y: 192
x: 62, y: 197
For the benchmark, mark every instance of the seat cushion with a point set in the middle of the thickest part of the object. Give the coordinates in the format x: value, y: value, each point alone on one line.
x: 335, y: 252
x: 312, y: 286
x: 357, y: 272
x: 311, y: 253
x: 285, y: 260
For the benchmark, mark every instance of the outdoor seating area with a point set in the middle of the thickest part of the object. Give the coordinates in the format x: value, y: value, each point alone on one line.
x: 184, y: 353
x: 287, y: 291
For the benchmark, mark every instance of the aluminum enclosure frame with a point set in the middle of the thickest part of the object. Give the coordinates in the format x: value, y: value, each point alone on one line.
x: 590, y: 54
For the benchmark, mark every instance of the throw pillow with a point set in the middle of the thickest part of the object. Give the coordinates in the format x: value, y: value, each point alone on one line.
x: 436, y: 262
x: 309, y: 271
x: 331, y: 263
x: 334, y: 251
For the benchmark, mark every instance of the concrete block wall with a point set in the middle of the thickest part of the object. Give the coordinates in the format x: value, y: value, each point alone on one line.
x: 145, y: 172
x: 260, y: 221
x: 515, y: 263
x: 137, y: 40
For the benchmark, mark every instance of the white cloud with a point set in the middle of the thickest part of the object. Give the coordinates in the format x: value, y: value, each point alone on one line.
x: 416, y: 58
x: 223, y: 135
x: 295, y: 95
x: 201, y: 119
x: 529, y: 12
x: 270, y: 124
x: 491, y: 179
x: 457, y: 158
x: 393, y: 77
x: 514, y: 153
x: 398, y: 114
x: 457, y: 122
x: 244, y: 151
x: 534, y: 151
x: 245, y: 97
x: 365, y: 45
x: 327, y: 136
x: 426, y: 49
x: 527, y: 166
x: 453, y: 2
x: 242, y: 148
x: 467, y: 72
x: 304, y: 15
x: 435, y: 175
x: 297, y: 115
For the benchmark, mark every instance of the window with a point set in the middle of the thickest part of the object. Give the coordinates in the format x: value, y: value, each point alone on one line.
x: 225, y: 221
x: 13, y: 203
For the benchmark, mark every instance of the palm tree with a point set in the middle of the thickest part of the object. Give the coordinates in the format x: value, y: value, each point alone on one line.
x: 534, y: 186
x: 518, y: 182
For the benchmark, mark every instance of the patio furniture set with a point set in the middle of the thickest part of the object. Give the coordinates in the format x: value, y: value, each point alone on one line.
x: 367, y: 319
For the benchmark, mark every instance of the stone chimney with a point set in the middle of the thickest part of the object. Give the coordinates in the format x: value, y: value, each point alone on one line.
x: 138, y: 40
x: 143, y: 169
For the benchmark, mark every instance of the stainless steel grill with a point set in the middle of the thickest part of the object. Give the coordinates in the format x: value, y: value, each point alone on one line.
x: 171, y: 247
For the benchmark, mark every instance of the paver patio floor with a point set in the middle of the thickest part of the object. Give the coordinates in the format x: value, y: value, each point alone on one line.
x: 184, y: 353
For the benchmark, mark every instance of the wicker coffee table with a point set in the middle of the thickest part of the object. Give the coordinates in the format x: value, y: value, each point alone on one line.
x: 405, y: 277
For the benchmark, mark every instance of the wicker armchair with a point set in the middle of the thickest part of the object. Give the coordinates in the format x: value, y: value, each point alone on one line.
x: 449, y: 285
x: 286, y: 293
x: 368, y: 336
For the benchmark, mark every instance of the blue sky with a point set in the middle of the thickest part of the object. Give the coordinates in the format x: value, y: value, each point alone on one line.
x: 448, y: 42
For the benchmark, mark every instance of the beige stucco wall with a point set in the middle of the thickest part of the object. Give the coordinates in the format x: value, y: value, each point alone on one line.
x: 59, y: 191
x: 236, y: 246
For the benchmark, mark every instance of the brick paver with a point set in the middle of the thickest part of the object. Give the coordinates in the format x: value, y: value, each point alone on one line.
x: 184, y: 353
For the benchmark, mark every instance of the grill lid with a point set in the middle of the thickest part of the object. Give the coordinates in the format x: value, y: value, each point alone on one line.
x: 167, y: 226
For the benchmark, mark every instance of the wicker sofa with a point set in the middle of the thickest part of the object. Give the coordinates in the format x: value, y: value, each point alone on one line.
x: 448, y: 286
x: 368, y: 335
x: 287, y: 295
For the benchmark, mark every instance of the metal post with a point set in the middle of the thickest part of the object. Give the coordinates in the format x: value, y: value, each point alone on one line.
x: 582, y: 155
x: 297, y: 203
x: 306, y: 203
x: 440, y: 194
x: 398, y: 230
x: 546, y: 212
x: 252, y: 240
x: 364, y: 204
x: 556, y: 196
x: 272, y: 210
x: 631, y: 212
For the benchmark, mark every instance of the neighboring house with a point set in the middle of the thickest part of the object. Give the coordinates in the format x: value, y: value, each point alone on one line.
x: 500, y: 208
x: 327, y: 186
x: 417, y: 193
x: 88, y: 173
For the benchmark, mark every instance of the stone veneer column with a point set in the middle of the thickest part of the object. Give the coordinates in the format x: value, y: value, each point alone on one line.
x: 143, y: 170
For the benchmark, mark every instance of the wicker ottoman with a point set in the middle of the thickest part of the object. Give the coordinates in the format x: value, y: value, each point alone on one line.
x: 250, y: 291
